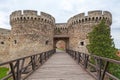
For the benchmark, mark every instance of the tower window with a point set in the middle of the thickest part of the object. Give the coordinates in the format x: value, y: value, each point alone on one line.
x: 2, y: 42
x: 89, y: 19
x: 82, y: 20
x: 24, y: 18
x: 93, y: 18
x: 42, y: 19
x: 21, y: 18
x: 15, y: 41
x: 85, y: 19
x: 46, y: 43
x: 82, y: 43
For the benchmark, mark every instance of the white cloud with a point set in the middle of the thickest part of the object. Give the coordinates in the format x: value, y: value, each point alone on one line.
x: 4, y: 21
x: 67, y: 5
x: 116, y: 36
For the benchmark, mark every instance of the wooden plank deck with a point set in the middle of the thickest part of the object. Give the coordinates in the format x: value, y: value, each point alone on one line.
x: 60, y: 67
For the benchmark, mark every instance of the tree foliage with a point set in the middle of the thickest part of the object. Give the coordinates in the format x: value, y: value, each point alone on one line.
x: 101, y: 44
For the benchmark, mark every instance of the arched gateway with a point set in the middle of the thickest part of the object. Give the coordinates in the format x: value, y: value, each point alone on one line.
x: 61, y: 38
x: 61, y: 42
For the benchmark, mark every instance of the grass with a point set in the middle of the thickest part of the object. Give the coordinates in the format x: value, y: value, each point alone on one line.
x: 3, y: 72
x: 60, y: 49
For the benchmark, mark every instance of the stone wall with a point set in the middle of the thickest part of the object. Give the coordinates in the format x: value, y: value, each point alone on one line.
x: 61, y: 29
x: 80, y: 25
x: 31, y: 33
x: 4, y: 44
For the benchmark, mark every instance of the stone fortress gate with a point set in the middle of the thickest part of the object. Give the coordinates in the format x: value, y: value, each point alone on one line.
x: 33, y: 33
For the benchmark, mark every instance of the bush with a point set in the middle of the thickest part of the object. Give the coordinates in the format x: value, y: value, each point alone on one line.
x: 101, y: 44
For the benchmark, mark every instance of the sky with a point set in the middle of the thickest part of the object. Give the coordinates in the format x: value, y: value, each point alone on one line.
x: 62, y: 10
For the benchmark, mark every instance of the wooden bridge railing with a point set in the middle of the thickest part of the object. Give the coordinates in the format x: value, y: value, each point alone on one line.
x: 97, y: 67
x: 23, y: 67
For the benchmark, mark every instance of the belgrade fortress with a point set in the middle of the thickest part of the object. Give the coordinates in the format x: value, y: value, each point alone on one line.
x: 33, y: 32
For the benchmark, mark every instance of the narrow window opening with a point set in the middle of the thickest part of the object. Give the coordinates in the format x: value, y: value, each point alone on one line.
x: 93, y: 18
x: 17, y: 18
x: 2, y: 42
x: 45, y: 20
x: 85, y: 19
x: 96, y: 18
x: 82, y: 43
x: 24, y: 18
x: 46, y: 43
x: 89, y: 19
x: 82, y: 20
x: 21, y: 18
x: 42, y: 19
x: 15, y: 41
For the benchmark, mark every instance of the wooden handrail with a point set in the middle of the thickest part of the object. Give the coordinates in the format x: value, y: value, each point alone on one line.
x: 100, y: 64
x: 22, y: 67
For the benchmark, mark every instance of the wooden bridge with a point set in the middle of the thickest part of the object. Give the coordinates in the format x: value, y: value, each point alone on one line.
x: 60, y: 67
x: 53, y: 65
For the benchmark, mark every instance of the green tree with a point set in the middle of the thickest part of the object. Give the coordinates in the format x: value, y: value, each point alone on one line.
x: 101, y: 44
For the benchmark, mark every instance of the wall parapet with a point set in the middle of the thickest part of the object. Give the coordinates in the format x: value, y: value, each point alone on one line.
x: 31, y: 15
x: 61, y: 26
x: 93, y: 16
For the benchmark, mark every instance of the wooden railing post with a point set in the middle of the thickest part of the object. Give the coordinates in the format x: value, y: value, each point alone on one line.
x: 104, y: 70
x: 86, y: 57
x: 94, y: 64
x: 18, y: 76
x: 33, y: 62
x: 78, y: 58
x: 75, y: 55
x: 25, y: 65
x: 45, y: 55
x: 40, y: 58
x: 98, y: 68
x: 22, y: 65
x: 12, y: 71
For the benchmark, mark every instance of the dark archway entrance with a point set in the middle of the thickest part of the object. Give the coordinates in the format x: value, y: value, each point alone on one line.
x: 61, y: 42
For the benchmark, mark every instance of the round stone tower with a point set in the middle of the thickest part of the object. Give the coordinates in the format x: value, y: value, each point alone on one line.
x: 80, y: 25
x: 31, y: 33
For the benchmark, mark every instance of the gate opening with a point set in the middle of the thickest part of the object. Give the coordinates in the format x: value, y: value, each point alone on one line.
x: 61, y: 44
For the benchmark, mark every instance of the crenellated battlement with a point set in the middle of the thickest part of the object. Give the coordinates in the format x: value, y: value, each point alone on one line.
x: 95, y: 13
x: 61, y: 29
x: 61, y: 26
x: 92, y: 17
x: 48, y: 16
x: 31, y: 15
